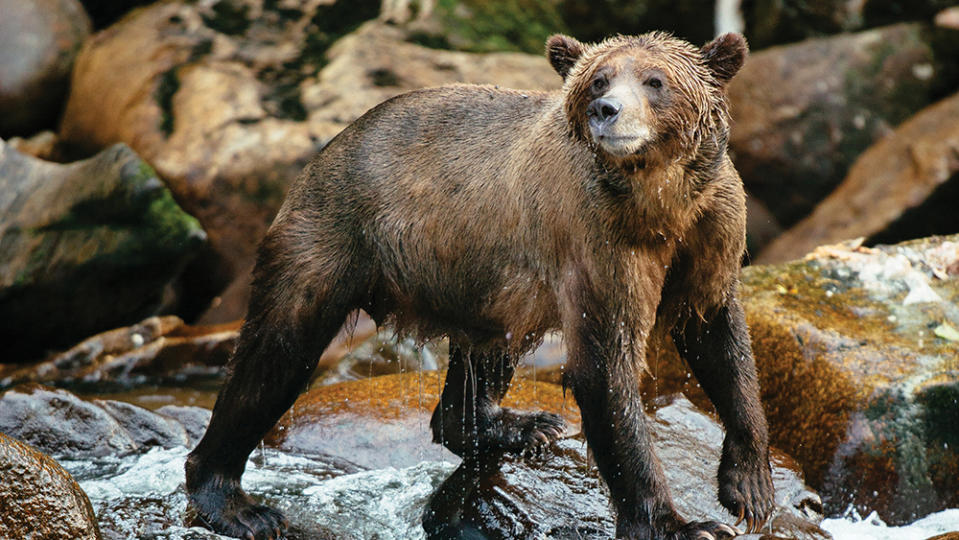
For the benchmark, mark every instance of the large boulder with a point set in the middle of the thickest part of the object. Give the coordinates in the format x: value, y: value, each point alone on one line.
x: 858, y: 354
x: 60, y: 423
x: 383, y: 423
x: 84, y: 247
x: 802, y: 113
x: 904, y: 186
x: 39, y: 40
x: 39, y: 499
x: 228, y: 103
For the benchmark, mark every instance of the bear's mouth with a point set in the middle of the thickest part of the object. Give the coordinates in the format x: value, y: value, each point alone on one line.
x: 621, y: 145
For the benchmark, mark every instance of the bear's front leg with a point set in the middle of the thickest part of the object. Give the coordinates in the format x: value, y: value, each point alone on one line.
x: 720, y: 355
x: 605, y: 352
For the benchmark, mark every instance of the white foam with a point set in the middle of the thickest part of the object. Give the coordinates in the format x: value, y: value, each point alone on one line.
x: 852, y: 527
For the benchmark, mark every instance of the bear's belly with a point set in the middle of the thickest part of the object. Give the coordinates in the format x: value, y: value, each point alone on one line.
x: 486, y: 308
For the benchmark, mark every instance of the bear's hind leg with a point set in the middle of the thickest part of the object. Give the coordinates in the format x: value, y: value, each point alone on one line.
x: 468, y: 419
x: 294, y: 313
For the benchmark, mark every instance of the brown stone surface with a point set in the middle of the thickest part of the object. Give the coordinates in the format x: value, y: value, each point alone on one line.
x: 230, y: 118
x: 802, y: 113
x: 858, y: 355
x: 157, y: 346
x: 356, y: 420
x: 904, y: 186
x: 38, y: 43
x: 39, y: 499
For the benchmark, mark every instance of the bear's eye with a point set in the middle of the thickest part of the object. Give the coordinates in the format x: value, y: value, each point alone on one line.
x: 655, y: 82
x: 599, y: 84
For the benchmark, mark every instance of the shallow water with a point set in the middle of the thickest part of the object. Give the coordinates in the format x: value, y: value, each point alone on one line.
x: 143, y: 497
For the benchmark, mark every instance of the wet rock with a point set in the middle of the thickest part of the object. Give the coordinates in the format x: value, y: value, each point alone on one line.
x: 230, y: 108
x: 38, y: 498
x: 146, y: 429
x: 357, y: 420
x: 904, y: 186
x: 384, y: 422
x: 857, y: 350
x: 38, y: 43
x: 157, y: 349
x: 804, y: 112
x: 60, y: 423
x: 85, y: 247
x: 193, y: 419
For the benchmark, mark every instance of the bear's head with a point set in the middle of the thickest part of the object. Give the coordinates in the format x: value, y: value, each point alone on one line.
x: 646, y: 97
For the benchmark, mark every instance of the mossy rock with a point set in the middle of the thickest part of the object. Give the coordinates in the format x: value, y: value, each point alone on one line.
x: 85, y: 247
x: 483, y: 26
x: 858, y: 355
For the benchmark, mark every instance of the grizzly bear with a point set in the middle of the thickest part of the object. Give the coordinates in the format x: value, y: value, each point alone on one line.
x: 608, y: 210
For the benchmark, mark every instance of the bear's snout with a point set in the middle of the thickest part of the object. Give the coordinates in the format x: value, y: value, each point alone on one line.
x: 603, y: 112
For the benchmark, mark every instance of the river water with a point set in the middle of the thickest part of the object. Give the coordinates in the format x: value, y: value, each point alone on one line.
x: 142, y: 497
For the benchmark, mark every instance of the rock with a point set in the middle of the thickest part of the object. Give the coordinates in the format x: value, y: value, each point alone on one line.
x: 948, y: 18
x: 773, y: 22
x: 39, y: 499
x: 39, y: 40
x: 802, y: 113
x: 158, y: 348
x: 904, y: 186
x: 229, y: 109
x: 356, y: 420
x: 85, y: 247
x: 43, y: 146
x: 858, y: 354
x: 384, y: 422
x: 60, y: 423
x: 193, y: 419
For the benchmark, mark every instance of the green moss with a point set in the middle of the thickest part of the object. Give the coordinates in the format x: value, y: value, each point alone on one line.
x: 507, y: 25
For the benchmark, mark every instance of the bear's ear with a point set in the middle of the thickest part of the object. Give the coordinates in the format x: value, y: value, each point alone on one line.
x: 563, y: 51
x: 724, y: 56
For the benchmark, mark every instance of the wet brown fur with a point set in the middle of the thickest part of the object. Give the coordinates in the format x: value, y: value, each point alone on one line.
x: 489, y: 215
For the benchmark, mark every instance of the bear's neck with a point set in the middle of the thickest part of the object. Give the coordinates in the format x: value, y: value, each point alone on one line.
x: 649, y: 203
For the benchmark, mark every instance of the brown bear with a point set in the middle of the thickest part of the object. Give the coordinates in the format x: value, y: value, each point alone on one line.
x: 608, y: 210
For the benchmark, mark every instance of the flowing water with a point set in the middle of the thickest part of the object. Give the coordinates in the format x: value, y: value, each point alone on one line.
x: 142, y: 497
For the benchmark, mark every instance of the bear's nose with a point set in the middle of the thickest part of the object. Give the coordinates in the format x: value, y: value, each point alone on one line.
x: 604, y: 109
